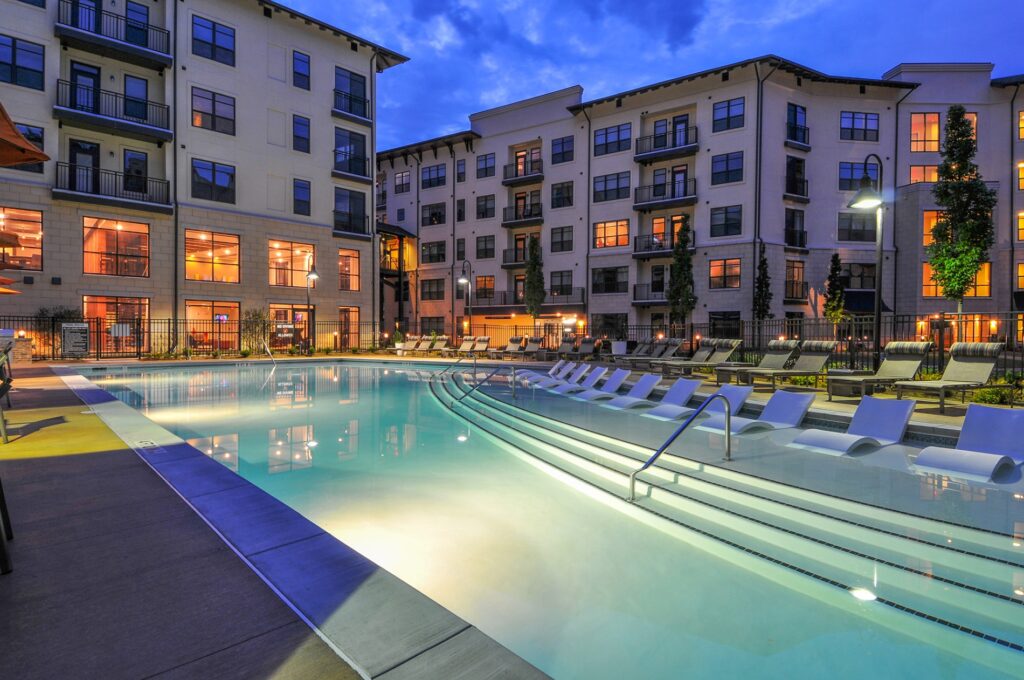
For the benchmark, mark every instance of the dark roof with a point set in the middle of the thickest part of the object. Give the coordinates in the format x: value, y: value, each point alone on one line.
x: 394, y: 229
x: 428, y: 145
x: 1007, y: 81
x: 770, y: 59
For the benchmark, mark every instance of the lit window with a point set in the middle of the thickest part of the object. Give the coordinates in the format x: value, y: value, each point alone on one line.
x: 1020, y: 125
x: 1020, y: 176
x: 924, y: 132
x: 930, y: 218
x: 484, y: 287
x: 348, y: 269
x: 929, y: 287
x: 115, y: 247
x: 724, y: 273
x: 1020, y: 226
x: 212, y: 325
x: 973, y: 117
x: 290, y: 262
x: 982, y: 286
x: 924, y: 173
x: 614, y: 234
x: 213, y: 111
x: 22, y: 247
x: 211, y: 256
x: 115, y: 309
x: 1020, y: 275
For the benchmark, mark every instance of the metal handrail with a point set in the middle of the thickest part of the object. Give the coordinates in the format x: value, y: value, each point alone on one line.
x: 477, y: 386
x: 270, y: 354
x: 672, y: 437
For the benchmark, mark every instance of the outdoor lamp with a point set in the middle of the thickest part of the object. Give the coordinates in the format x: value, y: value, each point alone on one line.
x: 870, y: 198
x: 866, y: 197
x: 464, y: 280
x: 311, y: 276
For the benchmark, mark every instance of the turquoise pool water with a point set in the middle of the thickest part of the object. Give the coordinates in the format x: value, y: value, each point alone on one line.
x: 585, y: 586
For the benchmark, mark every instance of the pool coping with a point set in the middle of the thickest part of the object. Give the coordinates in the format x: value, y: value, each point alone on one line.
x: 377, y: 623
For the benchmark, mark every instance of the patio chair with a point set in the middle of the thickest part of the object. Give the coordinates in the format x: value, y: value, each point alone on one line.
x: 482, y: 345
x: 876, y: 422
x: 814, y: 355
x: 705, y: 348
x: 783, y: 410
x: 608, y: 390
x: 990, y: 445
x: 467, y: 344
x: 669, y: 351
x: 407, y: 344
x: 642, y: 349
x: 902, y: 362
x: 532, y: 347
x: 422, y: 346
x: 514, y: 343
x: 588, y: 383
x: 969, y: 368
x: 588, y: 346
x: 637, y: 394
x: 723, y: 350
x: 736, y: 395
x: 438, y: 346
x: 778, y: 354
x: 577, y: 373
x: 558, y: 371
x: 565, y: 347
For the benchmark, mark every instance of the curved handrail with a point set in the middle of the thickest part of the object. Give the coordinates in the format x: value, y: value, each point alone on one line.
x: 672, y: 437
x: 486, y: 378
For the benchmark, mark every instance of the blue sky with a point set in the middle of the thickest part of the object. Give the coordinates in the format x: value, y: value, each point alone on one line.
x: 470, y: 55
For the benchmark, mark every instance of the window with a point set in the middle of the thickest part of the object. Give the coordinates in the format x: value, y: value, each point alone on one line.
x: 1020, y: 176
x: 924, y: 173
x: 213, y: 181
x: 485, y: 165
x: 432, y: 289
x: 727, y: 221
x: 609, y: 325
x: 460, y: 170
x: 484, y: 287
x: 661, y: 225
x: 561, y: 195
x: 300, y: 70
x: 858, y: 276
x: 1020, y: 226
x: 136, y: 96
x: 350, y: 93
x: 433, y: 252
x: 929, y: 218
x: 432, y: 214
x: 562, y: 148
x: 924, y: 132
x: 794, y: 275
x: 724, y: 273
x: 561, y: 282
x: 37, y: 3
x: 609, y: 280
x: 402, y: 182
x: 1020, y: 125
x: 973, y: 118
x: 724, y: 324
x: 300, y: 134
x: 300, y: 197
x: 350, y: 153
x: 431, y: 324
x: 400, y: 215
x: 348, y: 269
x: 727, y: 167
x: 982, y: 286
x: 484, y: 207
x: 433, y: 176
x: 290, y: 262
x: 34, y: 135
x: 858, y: 127
x: 210, y: 256
x: 213, y: 41
x: 484, y: 247
x: 213, y: 111
x: 561, y: 240
x: 612, y: 139
x: 1020, y: 275
x: 856, y: 227
x: 212, y: 324
x: 727, y: 115
x: 851, y: 173
x: 611, y: 187
x: 136, y: 24
x: 349, y: 211
x: 614, y: 234
x: 115, y: 309
x: 115, y: 247
x: 796, y: 124
x: 460, y: 249
x: 460, y: 210
x: 24, y: 229
x: 21, y: 62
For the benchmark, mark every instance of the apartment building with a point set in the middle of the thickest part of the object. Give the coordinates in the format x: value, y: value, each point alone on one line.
x: 765, y: 151
x: 207, y: 155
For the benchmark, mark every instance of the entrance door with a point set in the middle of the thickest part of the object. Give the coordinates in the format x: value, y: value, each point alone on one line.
x: 85, y: 166
x: 85, y: 87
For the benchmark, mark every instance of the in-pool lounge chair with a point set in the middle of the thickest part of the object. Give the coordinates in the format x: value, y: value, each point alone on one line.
x: 783, y: 410
x: 637, y: 395
x: 902, y: 362
x: 482, y: 345
x: 587, y: 384
x: 876, y: 422
x: 969, y: 368
x: 778, y: 354
x: 991, y: 443
x: 814, y: 354
x: 558, y: 371
x: 574, y: 376
x: 530, y: 350
x: 722, y: 352
x: 514, y: 343
x: 467, y: 344
x: 736, y: 395
x: 608, y: 390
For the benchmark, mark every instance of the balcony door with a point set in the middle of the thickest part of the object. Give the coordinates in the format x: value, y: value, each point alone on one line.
x: 136, y: 29
x: 679, y: 176
x: 85, y: 14
x: 85, y: 166
x: 85, y: 87
x: 136, y: 94
x: 519, y: 288
x: 658, y: 278
x: 680, y: 125
x: 525, y: 160
x: 136, y: 164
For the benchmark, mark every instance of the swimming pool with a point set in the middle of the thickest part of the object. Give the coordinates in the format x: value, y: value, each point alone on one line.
x: 503, y: 509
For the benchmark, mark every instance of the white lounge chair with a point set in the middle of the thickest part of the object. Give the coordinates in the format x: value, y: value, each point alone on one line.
x: 526, y: 373
x: 678, y: 394
x: 991, y: 443
x: 588, y: 383
x: 560, y: 374
x: 783, y: 410
x: 736, y: 395
x: 574, y: 377
x: 609, y: 389
x: 876, y: 422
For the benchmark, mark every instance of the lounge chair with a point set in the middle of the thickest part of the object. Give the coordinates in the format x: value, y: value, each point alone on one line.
x: 406, y: 345
x: 573, y: 376
x: 559, y: 371
x: 531, y: 348
x: 586, y: 349
x: 969, y: 368
x: 783, y: 410
x: 876, y: 422
x: 422, y: 346
x: 814, y: 354
x: 704, y: 350
x: 668, y: 351
x: 608, y: 390
x: 467, y: 344
x: 564, y: 348
x: 723, y: 351
x: 990, y: 445
x: 438, y: 346
x: 481, y: 346
x: 642, y: 349
x: 736, y: 395
x: 586, y: 384
x: 514, y: 343
x: 551, y: 370
x: 902, y: 362
x: 778, y: 354
x: 637, y: 395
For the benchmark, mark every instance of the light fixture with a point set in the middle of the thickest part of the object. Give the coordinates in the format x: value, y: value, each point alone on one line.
x: 313, y: 275
x: 312, y: 444
x: 462, y: 438
x: 863, y: 594
x: 867, y: 197
x: 463, y: 280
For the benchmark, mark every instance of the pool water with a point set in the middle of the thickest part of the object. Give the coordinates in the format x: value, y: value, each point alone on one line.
x: 563, y: 574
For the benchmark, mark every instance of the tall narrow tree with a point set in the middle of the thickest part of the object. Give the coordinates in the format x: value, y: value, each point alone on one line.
x: 964, y: 233
x: 533, y: 286
x: 682, y: 298
x: 835, y: 292
x: 762, y: 287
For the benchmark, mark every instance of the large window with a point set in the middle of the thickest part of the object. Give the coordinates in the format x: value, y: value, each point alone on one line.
x: 484, y: 207
x: 727, y: 115
x: 856, y: 227
x: 350, y: 152
x: 350, y: 92
x: 982, y: 286
x: 858, y: 127
x: 348, y: 269
x: 850, y: 174
x: 349, y: 210
x: 433, y: 176
x: 211, y: 256
x: 1020, y: 226
x: 460, y: 170
x: 484, y: 247
x: 561, y: 240
x: 609, y: 280
x: 212, y: 324
x: 213, y: 181
x: 485, y: 165
x: 857, y: 276
x: 1020, y: 176
x: 727, y: 221
x: 213, y: 111
x: 300, y: 133
x: 924, y: 132
x: 22, y: 244
x: 433, y: 252
x: 300, y: 70
x: 929, y: 218
x: 301, y: 203
x: 213, y: 41
x: 34, y: 135
x: 402, y: 184
x: 1020, y: 275
x: 434, y: 213
x: 290, y: 262
x: 432, y: 289
x: 115, y: 247
x: 611, y: 187
x: 562, y: 149
x: 724, y: 273
x: 613, y: 234
x: 612, y: 139
x: 484, y: 287
x: 21, y: 62
x: 561, y: 195
x: 561, y: 282
x: 113, y: 309
x: 727, y: 167
x: 924, y: 173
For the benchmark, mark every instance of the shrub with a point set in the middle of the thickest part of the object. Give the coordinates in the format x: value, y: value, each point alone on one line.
x: 245, y: 353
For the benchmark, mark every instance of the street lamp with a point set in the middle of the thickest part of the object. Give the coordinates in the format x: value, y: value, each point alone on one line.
x: 866, y: 198
x: 465, y: 279
x: 311, y: 276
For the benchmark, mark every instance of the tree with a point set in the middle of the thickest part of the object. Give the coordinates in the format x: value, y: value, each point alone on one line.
x: 681, y: 296
x: 533, y: 286
x: 835, y: 292
x: 964, y: 232
x: 762, y: 288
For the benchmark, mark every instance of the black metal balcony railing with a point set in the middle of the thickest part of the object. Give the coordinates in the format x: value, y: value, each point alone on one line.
x: 389, y: 263
x: 351, y: 222
x: 89, y: 180
x: 351, y: 104
x: 602, y: 287
x: 112, y: 105
x: 796, y: 238
x: 382, y: 199
x: 651, y: 243
x: 515, y: 213
x: 665, y: 141
x: 800, y: 134
x: 524, y: 169
x: 114, y: 26
x: 796, y: 186
x: 515, y: 256
x: 509, y: 298
x: 646, y: 292
x: 797, y: 290
x: 667, y: 191
x: 351, y: 164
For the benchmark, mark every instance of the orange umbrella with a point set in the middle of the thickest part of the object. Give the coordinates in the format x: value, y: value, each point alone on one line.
x: 14, y: 148
x: 9, y: 291
x: 4, y: 281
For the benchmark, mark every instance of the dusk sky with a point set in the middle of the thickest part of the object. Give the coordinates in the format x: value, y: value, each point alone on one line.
x: 471, y: 55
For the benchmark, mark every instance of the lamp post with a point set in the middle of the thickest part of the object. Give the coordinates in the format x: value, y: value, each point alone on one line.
x: 465, y: 279
x: 311, y: 276
x: 868, y: 197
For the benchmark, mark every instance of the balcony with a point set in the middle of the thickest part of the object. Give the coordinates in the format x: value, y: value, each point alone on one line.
x: 352, y: 167
x: 106, y: 187
x: 796, y: 291
x: 647, y: 246
x: 112, y: 35
x: 522, y: 215
x: 645, y: 295
x: 351, y: 107
x: 796, y: 238
x: 382, y: 200
x: 351, y: 224
x: 678, y: 143
x: 105, y: 111
x: 796, y: 190
x: 798, y: 137
x: 666, y: 195
x: 389, y: 265
x: 510, y: 300
x: 514, y: 258
x: 528, y: 172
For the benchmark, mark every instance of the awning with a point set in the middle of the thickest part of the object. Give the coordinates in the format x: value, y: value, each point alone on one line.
x: 862, y: 302
x: 393, y: 229
x: 14, y: 148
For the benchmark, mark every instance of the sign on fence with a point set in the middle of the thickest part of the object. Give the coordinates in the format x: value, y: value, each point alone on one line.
x: 74, y: 340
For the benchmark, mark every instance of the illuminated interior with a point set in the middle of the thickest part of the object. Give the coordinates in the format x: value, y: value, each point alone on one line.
x: 290, y: 262
x: 115, y: 247
x: 211, y: 256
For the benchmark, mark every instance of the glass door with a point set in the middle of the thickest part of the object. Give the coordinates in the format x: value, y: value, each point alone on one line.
x: 135, y: 172
x: 85, y: 166
x: 85, y: 87
x: 85, y: 15
x: 136, y: 30
x: 136, y: 94
x: 679, y: 175
x: 680, y: 129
